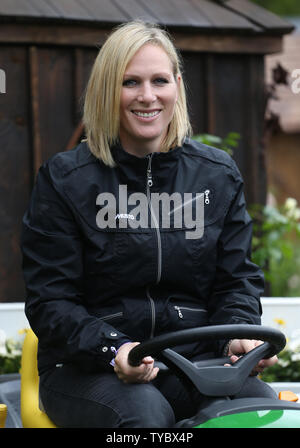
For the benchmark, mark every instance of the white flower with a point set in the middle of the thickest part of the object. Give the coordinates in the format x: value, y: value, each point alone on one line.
x: 295, y: 357
x: 294, y: 281
x: 297, y: 214
x: 290, y: 204
x: 283, y: 363
x: 294, y: 343
x: 292, y: 211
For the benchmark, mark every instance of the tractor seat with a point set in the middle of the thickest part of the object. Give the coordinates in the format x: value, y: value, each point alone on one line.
x: 31, y: 414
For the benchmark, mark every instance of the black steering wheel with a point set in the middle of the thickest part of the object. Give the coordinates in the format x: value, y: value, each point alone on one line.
x: 217, y: 379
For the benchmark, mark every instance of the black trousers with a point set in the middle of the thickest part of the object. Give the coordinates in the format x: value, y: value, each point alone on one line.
x: 72, y: 398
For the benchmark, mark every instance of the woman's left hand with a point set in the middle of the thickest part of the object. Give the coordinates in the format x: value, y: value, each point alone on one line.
x: 239, y: 346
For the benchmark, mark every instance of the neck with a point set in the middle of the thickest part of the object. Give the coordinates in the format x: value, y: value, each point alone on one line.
x: 141, y: 149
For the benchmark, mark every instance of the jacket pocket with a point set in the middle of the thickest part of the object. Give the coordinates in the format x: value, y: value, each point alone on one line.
x: 180, y: 317
x: 185, y: 312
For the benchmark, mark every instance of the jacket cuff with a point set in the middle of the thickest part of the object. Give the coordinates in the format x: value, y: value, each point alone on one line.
x: 111, y: 342
x: 115, y: 352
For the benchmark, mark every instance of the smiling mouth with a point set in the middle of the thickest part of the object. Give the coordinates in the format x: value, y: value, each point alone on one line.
x: 146, y: 114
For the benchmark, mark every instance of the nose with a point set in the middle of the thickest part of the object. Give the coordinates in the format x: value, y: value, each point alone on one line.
x: 146, y: 93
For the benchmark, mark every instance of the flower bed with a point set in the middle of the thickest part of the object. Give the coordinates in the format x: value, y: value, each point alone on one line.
x: 288, y: 367
x: 10, y: 354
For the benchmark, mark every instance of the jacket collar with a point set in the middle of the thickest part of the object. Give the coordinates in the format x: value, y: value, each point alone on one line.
x: 133, y: 169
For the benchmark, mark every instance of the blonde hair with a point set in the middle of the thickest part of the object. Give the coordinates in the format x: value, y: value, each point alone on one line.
x: 101, y: 115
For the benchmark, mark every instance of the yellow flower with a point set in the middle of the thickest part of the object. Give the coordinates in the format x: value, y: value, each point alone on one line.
x: 280, y: 322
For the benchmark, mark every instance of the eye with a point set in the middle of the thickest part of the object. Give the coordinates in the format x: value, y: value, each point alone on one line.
x: 161, y: 80
x: 129, y: 83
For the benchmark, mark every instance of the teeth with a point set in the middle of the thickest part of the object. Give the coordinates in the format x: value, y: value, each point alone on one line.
x: 146, y: 115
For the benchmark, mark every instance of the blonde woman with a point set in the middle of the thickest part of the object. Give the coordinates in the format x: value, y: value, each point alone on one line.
x: 136, y: 232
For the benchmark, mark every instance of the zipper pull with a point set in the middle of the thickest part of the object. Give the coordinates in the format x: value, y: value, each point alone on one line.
x: 149, y: 178
x: 206, y: 196
x: 180, y: 315
x: 149, y: 172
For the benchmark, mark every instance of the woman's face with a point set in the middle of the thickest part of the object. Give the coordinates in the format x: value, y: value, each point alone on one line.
x: 148, y: 97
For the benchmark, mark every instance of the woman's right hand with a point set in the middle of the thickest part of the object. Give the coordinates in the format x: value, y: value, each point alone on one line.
x: 144, y: 373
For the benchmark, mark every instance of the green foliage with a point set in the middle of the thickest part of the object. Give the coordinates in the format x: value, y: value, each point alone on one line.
x: 281, y: 7
x: 227, y: 143
x: 288, y: 366
x: 10, y: 364
x: 286, y: 370
x: 10, y: 355
x: 276, y: 246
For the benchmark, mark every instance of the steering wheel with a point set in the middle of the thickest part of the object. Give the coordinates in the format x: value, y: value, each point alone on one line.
x: 212, y: 380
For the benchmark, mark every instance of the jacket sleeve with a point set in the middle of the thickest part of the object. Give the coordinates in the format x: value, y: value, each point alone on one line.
x: 53, y: 272
x: 238, y: 283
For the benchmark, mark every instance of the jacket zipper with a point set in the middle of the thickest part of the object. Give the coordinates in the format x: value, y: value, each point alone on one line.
x: 159, y: 250
x: 153, y: 317
x: 149, y: 185
x: 180, y: 308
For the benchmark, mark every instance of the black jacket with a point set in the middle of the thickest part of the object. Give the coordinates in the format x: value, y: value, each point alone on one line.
x: 91, y: 287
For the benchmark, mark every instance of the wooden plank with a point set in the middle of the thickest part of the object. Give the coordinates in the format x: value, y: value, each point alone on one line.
x: 92, y: 37
x: 105, y: 11
x: 78, y: 82
x: 210, y: 100
x: 15, y: 172
x: 17, y: 8
x: 256, y: 174
x: 217, y: 43
x: 193, y: 76
x: 226, y: 84
x: 55, y: 98
x: 177, y: 13
x: 137, y: 9
x: 66, y: 9
x: 220, y: 17
x: 35, y: 108
x: 83, y: 60
x: 237, y: 92
x: 43, y: 8
x: 52, y: 34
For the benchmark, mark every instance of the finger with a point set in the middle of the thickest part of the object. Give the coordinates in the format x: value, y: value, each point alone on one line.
x: 148, y: 370
x: 147, y: 360
x: 268, y: 362
x: 249, y: 344
x: 234, y: 358
x: 151, y: 375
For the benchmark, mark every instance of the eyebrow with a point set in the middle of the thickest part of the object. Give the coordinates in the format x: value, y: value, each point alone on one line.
x: 134, y: 75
